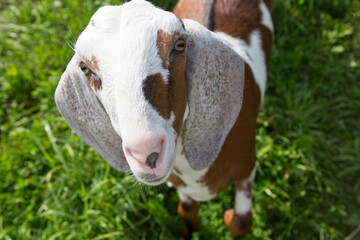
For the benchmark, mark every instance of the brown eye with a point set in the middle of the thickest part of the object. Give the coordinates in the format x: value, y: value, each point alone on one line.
x: 93, y: 80
x: 83, y: 66
x: 85, y: 69
x: 180, y: 45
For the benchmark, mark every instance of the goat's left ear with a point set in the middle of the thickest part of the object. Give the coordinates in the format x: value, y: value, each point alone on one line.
x: 85, y: 114
x: 215, y: 77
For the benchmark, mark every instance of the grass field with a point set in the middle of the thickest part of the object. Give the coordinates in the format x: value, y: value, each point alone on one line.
x: 54, y: 186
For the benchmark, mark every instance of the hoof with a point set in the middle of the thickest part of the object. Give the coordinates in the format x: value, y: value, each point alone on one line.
x: 239, y: 225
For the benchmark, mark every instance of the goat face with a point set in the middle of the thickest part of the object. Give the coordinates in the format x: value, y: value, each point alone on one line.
x: 134, y: 73
x: 133, y: 57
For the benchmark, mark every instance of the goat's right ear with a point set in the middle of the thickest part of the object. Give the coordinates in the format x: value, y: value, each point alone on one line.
x: 85, y: 114
x: 215, y: 79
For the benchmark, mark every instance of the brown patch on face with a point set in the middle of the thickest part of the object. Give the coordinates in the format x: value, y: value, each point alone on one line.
x: 164, y: 43
x: 171, y: 97
x: 93, y: 63
x: 178, y: 89
x: 156, y: 92
x: 93, y: 22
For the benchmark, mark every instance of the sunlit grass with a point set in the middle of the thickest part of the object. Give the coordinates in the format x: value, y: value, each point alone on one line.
x: 54, y: 186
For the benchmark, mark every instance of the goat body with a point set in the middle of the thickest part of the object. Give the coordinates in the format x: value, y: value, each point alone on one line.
x: 167, y: 99
x: 246, y: 27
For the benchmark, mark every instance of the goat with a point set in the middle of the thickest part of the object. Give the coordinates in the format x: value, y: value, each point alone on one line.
x: 169, y: 98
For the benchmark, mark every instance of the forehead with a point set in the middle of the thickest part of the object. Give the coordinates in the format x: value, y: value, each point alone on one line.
x: 131, y: 23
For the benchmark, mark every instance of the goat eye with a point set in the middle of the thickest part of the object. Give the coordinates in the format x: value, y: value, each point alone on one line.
x: 85, y: 69
x: 83, y: 66
x: 180, y: 45
x: 93, y: 80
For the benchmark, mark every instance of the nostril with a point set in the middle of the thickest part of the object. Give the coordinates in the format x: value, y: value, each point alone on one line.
x: 151, y: 159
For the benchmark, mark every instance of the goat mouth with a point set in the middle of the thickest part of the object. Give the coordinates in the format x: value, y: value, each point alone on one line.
x: 153, y: 179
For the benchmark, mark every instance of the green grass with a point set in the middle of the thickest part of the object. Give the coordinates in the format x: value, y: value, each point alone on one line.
x: 53, y: 186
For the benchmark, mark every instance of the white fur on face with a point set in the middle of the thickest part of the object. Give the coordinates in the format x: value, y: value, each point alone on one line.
x: 123, y: 41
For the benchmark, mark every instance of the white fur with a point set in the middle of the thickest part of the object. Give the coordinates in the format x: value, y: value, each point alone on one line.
x: 194, y: 188
x: 266, y: 19
x: 252, y: 54
x: 243, y: 197
x: 242, y: 203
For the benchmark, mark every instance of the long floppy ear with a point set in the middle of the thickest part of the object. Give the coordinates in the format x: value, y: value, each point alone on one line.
x: 85, y: 114
x: 215, y: 77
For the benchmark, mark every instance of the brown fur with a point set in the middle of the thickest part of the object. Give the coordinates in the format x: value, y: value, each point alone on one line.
x: 267, y: 43
x: 193, y: 9
x: 156, y: 92
x: 237, y: 18
x: 176, y: 181
x: 93, y: 63
x: 171, y: 97
x: 178, y: 89
x: 268, y: 4
x: 237, y: 156
x: 164, y: 44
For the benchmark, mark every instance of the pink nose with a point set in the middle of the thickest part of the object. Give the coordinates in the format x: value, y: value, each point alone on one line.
x: 145, y: 151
